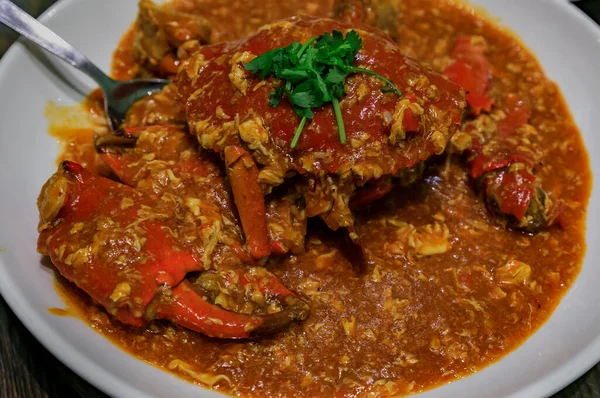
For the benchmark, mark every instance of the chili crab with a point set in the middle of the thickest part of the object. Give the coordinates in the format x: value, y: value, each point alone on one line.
x: 160, y: 31
x: 166, y: 244
x: 228, y: 109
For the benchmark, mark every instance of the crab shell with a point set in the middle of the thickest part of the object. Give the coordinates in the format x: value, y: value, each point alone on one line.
x: 131, y: 247
x: 226, y: 105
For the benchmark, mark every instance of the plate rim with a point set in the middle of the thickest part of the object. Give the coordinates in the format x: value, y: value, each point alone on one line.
x: 55, y: 343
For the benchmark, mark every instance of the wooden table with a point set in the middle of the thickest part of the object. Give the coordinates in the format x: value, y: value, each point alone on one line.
x: 28, y: 370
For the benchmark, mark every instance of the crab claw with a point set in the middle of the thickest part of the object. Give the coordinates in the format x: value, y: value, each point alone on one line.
x: 249, y: 199
x: 502, y: 155
x: 514, y: 193
x: 471, y: 70
x: 95, y: 238
x: 186, y: 307
x: 116, y: 244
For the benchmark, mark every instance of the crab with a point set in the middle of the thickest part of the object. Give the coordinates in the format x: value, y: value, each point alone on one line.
x: 163, y: 243
x: 390, y: 138
x: 178, y: 239
x: 160, y: 31
x: 501, y: 147
x: 228, y: 110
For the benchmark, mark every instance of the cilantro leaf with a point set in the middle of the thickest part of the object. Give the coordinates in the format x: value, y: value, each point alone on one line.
x: 355, y: 43
x: 337, y: 90
x: 305, y: 95
x: 336, y: 75
x: 304, y: 112
x: 313, y: 74
x: 262, y: 64
x: 294, y: 75
x: 276, y: 96
x: 322, y: 88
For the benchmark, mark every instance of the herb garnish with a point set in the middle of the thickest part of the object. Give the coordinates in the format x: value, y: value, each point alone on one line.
x: 313, y: 74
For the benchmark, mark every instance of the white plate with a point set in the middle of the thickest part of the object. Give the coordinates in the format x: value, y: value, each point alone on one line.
x: 563, y: 38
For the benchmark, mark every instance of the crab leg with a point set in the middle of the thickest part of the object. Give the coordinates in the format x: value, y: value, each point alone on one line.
x: 110, y: 240
x: 502, y: 163
x: 187, y: 308
x: 502, y: 150
x: 249, y: 199
x: 286, y: 218
x: 470, y: 69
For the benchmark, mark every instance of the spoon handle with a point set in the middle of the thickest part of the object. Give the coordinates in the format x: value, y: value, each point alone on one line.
x: 18, y: 20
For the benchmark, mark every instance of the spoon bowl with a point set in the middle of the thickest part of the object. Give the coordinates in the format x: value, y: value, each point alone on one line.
x: 118, y: 95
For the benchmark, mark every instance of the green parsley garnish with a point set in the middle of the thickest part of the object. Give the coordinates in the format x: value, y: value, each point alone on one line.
x: 313, y: 74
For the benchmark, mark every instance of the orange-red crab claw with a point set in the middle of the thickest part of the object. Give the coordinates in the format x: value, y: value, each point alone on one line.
x: 471, y: 70
x: 275, y: 230
x: 112, y: 241
x: 249, y: 199
x: 502, y: 163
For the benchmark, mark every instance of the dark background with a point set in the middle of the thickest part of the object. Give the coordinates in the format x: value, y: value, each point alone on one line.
x: 28, y: 370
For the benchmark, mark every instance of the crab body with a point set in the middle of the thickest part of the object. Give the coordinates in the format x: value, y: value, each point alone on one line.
x: 228, y: 107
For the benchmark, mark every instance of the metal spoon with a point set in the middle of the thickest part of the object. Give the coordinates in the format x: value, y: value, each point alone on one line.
x: 118, y: 95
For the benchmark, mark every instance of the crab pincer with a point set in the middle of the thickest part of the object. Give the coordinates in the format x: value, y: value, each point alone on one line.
x: 471, y: 70
x: 146, y: 249
x: 502, y: 155
x: 501, y: 146
x: 249, y: 199
x: 104, y: 237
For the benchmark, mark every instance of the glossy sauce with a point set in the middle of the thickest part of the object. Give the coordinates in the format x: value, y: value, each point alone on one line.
x: 60, y: 312
x: 74, y: 128
x: 408, y: 322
